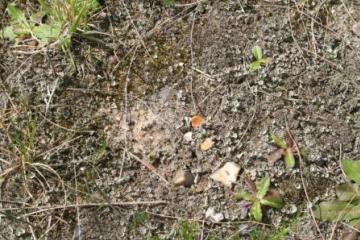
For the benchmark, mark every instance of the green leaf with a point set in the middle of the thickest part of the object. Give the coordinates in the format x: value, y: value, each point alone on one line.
x: 281, y: 143
x: 254, y: 66
x: 347, y: 192
x: 45, y: 7
x: 243, y: 195
x: 289, y: 158
x: 46, y: 33
x: 256, y: 211
x: 169, y: 3
x: 16, y: 14
x: 352, y: 170
x: 273, y: 199
x: 337, y: 210
x: 263, y: 187
x: 8, y: 32
x: 257, y: 52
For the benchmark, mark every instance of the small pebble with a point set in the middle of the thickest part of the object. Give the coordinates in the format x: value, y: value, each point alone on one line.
x: 213, y: 216
x: 227, y: 175
x: 188, y: 136
x: 183, y: 178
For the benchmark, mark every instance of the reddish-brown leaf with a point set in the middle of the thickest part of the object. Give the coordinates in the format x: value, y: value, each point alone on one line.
x: 275, y: 155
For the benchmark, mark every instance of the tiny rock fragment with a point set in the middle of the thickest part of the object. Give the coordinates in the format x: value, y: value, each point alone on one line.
x: 213, y: 216
x: 197, y: 121
x: 227, y: 175
x: 188, y: 136
x: 183, y: 178
x: 207, y: 144
x: 356, y: 28
x: 275, y: 155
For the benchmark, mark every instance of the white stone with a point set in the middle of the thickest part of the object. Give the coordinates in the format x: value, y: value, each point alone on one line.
x: 213, y: 216
x: 227, y: 175
x: 188, y: 136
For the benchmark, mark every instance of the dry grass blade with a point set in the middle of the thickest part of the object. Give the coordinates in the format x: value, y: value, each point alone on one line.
x: 41, y: 209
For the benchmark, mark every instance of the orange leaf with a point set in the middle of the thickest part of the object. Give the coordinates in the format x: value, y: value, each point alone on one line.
x: 197, y: 121
x: 207, y: 144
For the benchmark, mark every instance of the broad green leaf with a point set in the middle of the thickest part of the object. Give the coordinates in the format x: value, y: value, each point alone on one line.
x: 273, y: 199
x: 352, y: 170
x: 337, y: 210
x: 37, y: 18
x: 263, y: 187
x: 16, y: 14
x: 289, y: 158
x: 243, y: 195
x: 46, y: 33
x: 281, y: 143
x: 257, y: 52
x: 347, y: 192
x: 254, y: 66
x: 8, y: 32
x: 256, y: 211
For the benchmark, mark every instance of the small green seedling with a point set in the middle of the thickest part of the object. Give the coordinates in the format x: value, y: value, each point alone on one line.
x: 259, y: 60
x: 260, y: 195
x: 347, y: 206
x: 187, y: 231
x: 137, y: 220
x: 169, y: 3
x: 285, y: 150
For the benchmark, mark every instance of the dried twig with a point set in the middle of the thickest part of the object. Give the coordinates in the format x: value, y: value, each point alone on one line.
x: 192, y: 64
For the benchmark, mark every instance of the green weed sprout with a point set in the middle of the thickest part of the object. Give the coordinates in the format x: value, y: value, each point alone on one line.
x: 187, y: 231
x: 169, y: 3
x: 259, y: 60
x: 63, y: 19
x: 347, y: 206
x: 285, y: 150
x: 260, y: 196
